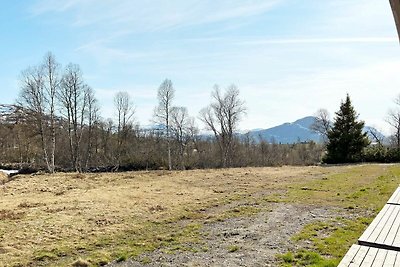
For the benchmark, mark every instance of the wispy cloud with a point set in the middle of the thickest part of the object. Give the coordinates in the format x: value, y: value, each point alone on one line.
x: 287, y: 57
x: 154, y: 15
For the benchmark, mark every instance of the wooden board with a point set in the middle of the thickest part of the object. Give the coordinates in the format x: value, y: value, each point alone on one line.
x: 379, y: 245
x: 384, y: 231
x: 395, y: 4
x: 395, y: 198
x: 359, y: 256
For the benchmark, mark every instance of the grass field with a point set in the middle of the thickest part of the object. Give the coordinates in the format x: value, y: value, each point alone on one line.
x: 94, y: 219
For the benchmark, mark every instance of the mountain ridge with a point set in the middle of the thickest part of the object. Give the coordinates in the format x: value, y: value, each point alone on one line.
x: 295, y: 132
x: 286, y: 133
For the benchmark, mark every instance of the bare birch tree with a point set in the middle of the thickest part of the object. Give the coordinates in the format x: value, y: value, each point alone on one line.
x: 181, y: 128
x: 39, y: 88
x: 93, y: 118
x: 222, y: 117
x: 32, y: 97
x: 74, y: 98
x: 52, y: 83
x: 165, y: 95
x: 125, y: 112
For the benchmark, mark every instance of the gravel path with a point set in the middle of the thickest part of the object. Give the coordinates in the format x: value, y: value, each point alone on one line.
x: 250, y: 241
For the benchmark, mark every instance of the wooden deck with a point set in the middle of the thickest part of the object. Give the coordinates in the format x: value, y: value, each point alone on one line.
x: 379, y: 245
x: 370, y: 256
x: 384, y: 232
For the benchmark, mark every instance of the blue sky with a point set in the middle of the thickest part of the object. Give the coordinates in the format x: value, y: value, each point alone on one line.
x: 288, y: 57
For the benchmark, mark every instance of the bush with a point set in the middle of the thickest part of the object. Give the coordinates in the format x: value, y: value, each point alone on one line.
x: 381, y: 154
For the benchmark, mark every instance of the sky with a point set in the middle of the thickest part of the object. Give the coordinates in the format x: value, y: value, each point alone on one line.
x: 288, y: 58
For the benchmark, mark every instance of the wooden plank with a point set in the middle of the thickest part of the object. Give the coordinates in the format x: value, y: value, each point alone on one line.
x: 348, y: 258
x: 394, y: 232
x: 395, y: 198
x: 396, y: 241
x: 367, y: 233
x: 381, y: 225
x: 374, y: 223
x: 392, y: 197
x: 397, y: 262
x: 386, y: 233
x: 390, y: 258
x: 363, y: 256
x: 392, y: 223
x: 359, y: 257
x: 369, y: 258
x: 380, y: 258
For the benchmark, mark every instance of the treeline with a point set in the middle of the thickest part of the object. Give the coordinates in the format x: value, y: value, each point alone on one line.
x: 103, y: 148
x: 56, y: 125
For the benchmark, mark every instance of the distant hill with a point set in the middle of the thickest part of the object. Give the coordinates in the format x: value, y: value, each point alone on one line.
x: 288, y: 133
x: 10, y: 114
x: 294, y: 132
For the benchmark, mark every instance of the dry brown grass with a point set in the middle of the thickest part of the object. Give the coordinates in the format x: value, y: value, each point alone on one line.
x: 57, y: 219
x: 3, y: 178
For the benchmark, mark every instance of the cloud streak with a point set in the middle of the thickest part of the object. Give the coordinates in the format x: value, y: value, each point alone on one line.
x: 156, y: 15
x: 278, y: 52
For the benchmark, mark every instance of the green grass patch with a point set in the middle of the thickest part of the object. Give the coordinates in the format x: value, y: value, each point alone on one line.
x: 45, y: 256
x: 333, y: 238
x: 233, y: 248
x: 273, y: 198
x: 151, y: 236
x: 329, y: 242
x: 364, y: 186
x: 306, y: 258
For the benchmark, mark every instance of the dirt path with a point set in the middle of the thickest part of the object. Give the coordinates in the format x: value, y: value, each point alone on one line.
x: 250, y: 241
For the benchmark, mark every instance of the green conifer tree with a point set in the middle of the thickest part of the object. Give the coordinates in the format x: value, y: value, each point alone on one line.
x: 346, y: 139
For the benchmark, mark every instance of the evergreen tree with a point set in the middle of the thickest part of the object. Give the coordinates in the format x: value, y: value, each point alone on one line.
x: 346, y: 139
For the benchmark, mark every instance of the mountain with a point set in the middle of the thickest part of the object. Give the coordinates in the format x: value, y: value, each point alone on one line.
x: 297, y: 131
x: 288, y: 133
x: 10, y: 114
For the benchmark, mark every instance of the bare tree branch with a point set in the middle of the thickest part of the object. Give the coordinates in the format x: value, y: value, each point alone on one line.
x: 322, y: 124
x: 222, y: 117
